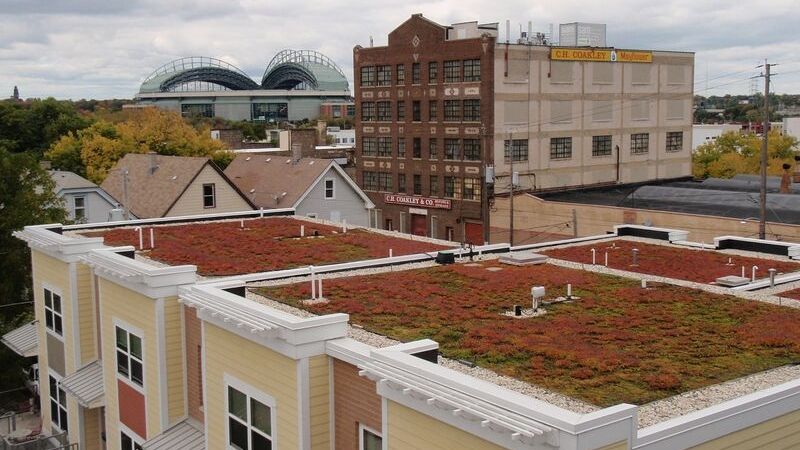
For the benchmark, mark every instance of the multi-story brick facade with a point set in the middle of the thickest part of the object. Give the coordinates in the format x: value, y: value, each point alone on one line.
x: 424, y: 120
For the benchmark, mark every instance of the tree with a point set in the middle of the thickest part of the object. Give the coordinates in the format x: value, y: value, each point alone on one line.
x: 26, y: 198
x: 94, y: 151
x: 733, y: 153
x: 32, y: 126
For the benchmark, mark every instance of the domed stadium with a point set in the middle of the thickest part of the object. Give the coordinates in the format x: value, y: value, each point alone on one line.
x: 296, y: 85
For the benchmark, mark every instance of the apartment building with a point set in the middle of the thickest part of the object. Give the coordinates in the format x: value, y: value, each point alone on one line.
x: 439, y: 105
x: 138, y: 350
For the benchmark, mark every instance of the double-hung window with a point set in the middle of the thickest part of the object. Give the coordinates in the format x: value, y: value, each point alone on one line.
x: 58, y: 405
x: 209, y: 195
x: 329, y: 188
x: 129, y: 356
x: 250, y: 421
x: 53, y: 319
x: 79, y: 208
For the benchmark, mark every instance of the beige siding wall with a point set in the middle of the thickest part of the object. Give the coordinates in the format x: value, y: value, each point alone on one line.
x: 261, y: 368
x: 618, y: 446
x: 780, y: 433
x: 175, y: 359
x: 91, y: 428
x: 411, y: 430
x: 531, y: 213
x: 191, y: 202
x: 86, y: 314
x: 138, y: 311
x: 319, y: 402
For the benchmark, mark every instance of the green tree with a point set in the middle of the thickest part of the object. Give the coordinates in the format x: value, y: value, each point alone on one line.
x: 32, y: 126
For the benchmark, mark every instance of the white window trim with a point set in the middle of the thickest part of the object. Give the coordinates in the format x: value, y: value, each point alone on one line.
x: 53, y: 374
x: 131, y: 434
x: 56, y: 291
x: 333, y: 188
x: 131, y: 329
x: 75, y: 206
x: 361, y: 429
x: 213, y: 195
x: 250, y: 392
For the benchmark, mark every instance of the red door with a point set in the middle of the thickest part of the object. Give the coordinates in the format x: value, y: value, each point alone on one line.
x: 473, y: 233
x: 419, y: 225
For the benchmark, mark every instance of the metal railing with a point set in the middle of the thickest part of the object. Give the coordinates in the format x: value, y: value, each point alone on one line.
x: 57, y: 441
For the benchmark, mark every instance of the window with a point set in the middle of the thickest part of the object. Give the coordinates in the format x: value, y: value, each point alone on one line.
x: 401, y: 147
x: 384, y: 111
x: 416, y: 148
x: 351, y: 110
x: 472, y: 189
x: 433, y: 72
x: 129, y: 356
x: 452, y: 110
x: 601, y: 145
x: 433, y: 110
x: 52, y: 312
x: 79, y: 208
x: 674, y: 141
x: 449, y: 233
x: 250, y: 422
x: 385, y: 182
x: 561, y: 148
x: 415, y: 73
x: 198, y: 110
x: 368, y: 76
x: 58, y: 405
x: 401, y: 110
x: 369, y: 146
x: 389, y: 225
x: 209, y: 199
x: 417, y: 184
x: 270, y: 112
x: 452, y: 187
x: 472, y: 70
x: 433, y: 148
x: 368, y: 111
x: 518, y: 148
x: 369, y: 439
x: 472, y: 149
x: 401, y: 74
x: 434, y: 186
x: 472, y: 110
x: 640, y: 143
x: 452, y: 71
x: 370, y: 181
x: 128, y: 443
x: 384, y: 75
x: 329, y: 189
x: 452, y: 149
x: 416, y: 111
x: 385, y: 146
x: 401, y: 183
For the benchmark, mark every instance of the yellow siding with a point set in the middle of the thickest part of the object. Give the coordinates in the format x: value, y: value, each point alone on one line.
x: 91, y: 420
x: 258, y: 366
x: 781, y: 432
x: 409, y: 430
x: 138, y: 311
x: 191, y: 202
x: 174, y: 359
x: 55, y: 273
x: 86, y: 314
x: 319, y: 404
x: 618, y: 446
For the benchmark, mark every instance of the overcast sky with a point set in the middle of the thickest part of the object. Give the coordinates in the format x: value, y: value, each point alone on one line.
x: 105, y: 48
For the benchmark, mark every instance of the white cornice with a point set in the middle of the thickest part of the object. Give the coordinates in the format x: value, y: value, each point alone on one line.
x: 64, y: 248
x: 147, y: 279
x: 287, y: 334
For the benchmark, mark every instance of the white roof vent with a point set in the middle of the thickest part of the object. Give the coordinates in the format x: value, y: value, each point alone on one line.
x: 247, y: 159
x: 174, y: 177
x: 311, y: 163
x: 288, y: 161
x: 268, y: 160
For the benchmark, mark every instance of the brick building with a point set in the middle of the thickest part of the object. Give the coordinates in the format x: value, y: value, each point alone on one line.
x: 423, y: 125
x: 438, y: 102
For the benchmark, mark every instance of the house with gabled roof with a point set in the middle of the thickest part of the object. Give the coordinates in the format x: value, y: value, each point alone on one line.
x: 151, y: 185
x: 314, y: 187
x: 84, y: 201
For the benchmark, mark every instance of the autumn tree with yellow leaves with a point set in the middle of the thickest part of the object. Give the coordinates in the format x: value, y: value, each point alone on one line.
x: 93, y: 151
x: 734, y: 153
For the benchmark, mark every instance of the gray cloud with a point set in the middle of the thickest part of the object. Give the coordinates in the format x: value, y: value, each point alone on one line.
x: 105, y: 48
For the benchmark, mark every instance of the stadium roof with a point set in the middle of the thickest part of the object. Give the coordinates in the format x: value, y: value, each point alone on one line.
x: 288, y: 70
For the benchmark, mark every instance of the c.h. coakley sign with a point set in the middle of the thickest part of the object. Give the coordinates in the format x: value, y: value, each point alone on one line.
x: 424, y: 202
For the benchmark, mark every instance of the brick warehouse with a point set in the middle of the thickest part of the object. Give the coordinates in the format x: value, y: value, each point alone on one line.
x: 438, y: 102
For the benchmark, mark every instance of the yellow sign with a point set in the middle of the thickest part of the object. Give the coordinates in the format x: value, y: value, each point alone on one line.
x: 600, y: 55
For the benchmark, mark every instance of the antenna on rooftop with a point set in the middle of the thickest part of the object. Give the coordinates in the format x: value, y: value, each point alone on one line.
x: 370, y: 40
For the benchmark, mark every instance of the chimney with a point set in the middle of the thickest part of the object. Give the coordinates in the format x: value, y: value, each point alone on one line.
x: 153, y: 162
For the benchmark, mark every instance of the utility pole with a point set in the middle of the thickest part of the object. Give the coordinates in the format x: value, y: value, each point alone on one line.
x: 762, y: 224
x: 511, y: 191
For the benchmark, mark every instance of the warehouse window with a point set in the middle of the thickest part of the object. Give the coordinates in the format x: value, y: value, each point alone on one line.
x: 472, y: 189
x: 417, y: 184
x: 368, y: 76
x: 516, y: 147
x: 369, y: 146
x: 452, y: 110
x: 368, y: 111
x: 452, y: 149
x: 472, y: 70
x: 433, y: 110
x: 401, y: 183
x: 415, y: 73
x: 561, y: 148
x: 401, y: 74
x: 433, y: 148
x: 401, y: 147
x: 434, y: 185
x: 472, y: 149
x: 601, y: 145
x: 384, y: 146
x: 674, y: 141
x: 472, y: 110
x: 640, y: 143
x: 384, y: 111
x: 401, y: 111
x: 452, y: 187
x: 433, y: 72
x: 384, y: 75
x: 452, y: 71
